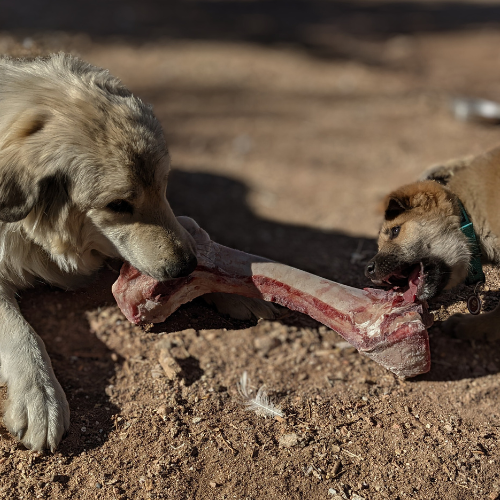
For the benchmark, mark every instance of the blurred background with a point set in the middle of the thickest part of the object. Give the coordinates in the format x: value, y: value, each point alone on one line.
x: 288, y: 121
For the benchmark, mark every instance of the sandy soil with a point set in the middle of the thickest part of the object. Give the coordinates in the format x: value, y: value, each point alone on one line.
x: 286, y: 154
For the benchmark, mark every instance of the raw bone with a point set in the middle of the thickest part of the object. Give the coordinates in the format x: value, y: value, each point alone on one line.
x: 385, y: 325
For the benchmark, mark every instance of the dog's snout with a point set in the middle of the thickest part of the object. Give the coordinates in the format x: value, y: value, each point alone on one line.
x: 182, y: 267
x: 371, y: 269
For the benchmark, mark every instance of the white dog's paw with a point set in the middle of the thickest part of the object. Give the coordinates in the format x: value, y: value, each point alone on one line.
x: 37, y: 414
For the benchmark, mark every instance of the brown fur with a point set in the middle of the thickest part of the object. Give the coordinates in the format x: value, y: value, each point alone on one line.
x: 428, y: 215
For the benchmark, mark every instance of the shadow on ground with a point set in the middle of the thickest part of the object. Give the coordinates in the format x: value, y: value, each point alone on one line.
x: 219, y: 205
x: 84, y: 364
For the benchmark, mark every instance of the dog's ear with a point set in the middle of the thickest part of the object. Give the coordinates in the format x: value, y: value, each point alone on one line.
x: 394, y: 207
x: 423, y: 195
x: 19, y: 189
x: 18, y: 194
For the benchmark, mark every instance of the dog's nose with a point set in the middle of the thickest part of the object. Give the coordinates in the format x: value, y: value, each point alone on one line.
x: 183, y: 268
x: 370, y: 269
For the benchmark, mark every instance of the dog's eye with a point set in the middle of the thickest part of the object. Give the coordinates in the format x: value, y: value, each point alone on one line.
x: 395, y: 231
x: 121, y: 207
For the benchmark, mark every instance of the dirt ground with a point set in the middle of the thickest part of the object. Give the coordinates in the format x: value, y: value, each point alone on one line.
x: 284, y: 152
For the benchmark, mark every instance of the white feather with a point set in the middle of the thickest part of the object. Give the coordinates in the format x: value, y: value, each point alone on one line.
x: 260, y: 404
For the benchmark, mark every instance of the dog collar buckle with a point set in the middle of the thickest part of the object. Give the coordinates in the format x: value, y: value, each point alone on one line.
x: 475, y: 274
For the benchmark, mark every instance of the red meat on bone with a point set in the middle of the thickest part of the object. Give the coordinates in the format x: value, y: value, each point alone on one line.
x: 386, y: 325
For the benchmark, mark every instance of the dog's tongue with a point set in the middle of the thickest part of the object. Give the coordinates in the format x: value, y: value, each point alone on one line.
x: 415, y: 281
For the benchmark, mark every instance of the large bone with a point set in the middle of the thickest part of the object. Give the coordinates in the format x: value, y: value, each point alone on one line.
x: 387, y: 326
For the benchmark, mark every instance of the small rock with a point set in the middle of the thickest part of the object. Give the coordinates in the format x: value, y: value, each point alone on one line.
x: 164, y: 410
x: 332, y: 492
x: 212, y: 484
x: 336, y: 467
x: 169, y: 364
x: 98, y: 486
x: 60, y: 478
x: 448, y: 428
x: 355, y: 496
x: 316, y: 474
x: 157, y: 371
x: 196, y: 420
x: 266, y: 343
x: 335, y: 448
x: 289, y: 440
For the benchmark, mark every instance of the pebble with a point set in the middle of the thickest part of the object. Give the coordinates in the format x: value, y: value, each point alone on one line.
x: 336, y: 467
x: 164, y: 410
x: 355, y: 496
x: 196, y: 420
x: 98, y: 485
x: 316, y: 474
x: 169, y: 364
x: 289, y: 440
x: 157, y: 371
x: 448, y: 428
x: 212, y: 484
x: 266, y: 343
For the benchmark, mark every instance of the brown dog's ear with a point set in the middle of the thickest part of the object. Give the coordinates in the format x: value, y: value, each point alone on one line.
x: 395, y: 207
x: 423, y: 195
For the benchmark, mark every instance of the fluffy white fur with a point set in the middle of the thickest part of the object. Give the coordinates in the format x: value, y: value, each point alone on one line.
x: 83, y: 174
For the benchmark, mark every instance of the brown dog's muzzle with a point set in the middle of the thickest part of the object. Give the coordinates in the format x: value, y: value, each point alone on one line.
x: 383, y: 265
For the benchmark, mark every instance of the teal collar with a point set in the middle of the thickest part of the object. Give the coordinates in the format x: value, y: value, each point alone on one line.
x: 476, y: 273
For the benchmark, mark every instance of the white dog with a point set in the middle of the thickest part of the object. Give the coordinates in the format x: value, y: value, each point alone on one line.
x: 83, y: 176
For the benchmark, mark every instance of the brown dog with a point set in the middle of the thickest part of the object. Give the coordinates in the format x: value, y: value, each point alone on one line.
x: 425, y: 237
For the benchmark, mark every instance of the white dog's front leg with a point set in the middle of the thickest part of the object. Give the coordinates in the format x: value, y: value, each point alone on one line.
x: 36, y: 409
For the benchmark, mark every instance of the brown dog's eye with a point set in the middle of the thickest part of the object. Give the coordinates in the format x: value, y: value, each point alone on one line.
x: 395, y: 231
x: 121, y: 207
